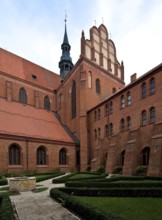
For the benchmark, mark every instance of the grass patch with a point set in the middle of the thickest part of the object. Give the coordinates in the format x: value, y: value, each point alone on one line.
x: 128, y: 208
x: 37, y: 190
x: 83, y: 175
x: 43, y: 177
x: 6, y: 209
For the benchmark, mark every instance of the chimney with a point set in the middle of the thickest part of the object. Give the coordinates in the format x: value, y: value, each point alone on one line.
x: 133, y: 77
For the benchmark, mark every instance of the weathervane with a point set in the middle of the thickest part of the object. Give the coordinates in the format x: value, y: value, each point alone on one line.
x: 102, y: 21
x: 95, y: 22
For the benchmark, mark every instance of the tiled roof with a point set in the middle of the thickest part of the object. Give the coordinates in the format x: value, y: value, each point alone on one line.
x: 24, y: 120
x: 28, y: 71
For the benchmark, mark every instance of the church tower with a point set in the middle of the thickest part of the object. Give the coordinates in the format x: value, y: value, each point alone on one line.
x: 65, y: 63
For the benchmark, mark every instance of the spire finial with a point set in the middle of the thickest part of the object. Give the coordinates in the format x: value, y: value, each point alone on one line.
x: 65, y: 17
x: 95, y: 22
x: 102, y: 21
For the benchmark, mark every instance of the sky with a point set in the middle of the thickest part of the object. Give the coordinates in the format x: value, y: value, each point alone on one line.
x: 34, y: 30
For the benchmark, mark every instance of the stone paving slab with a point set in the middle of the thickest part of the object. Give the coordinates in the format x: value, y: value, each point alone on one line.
x: 39, y: 206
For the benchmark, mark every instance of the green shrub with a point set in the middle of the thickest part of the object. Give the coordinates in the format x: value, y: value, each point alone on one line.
x: 3, y: 181
x: 118, y: 169
x: 82, y: 209
x: 141, y: 170
x: 88, y: 168
x: 101, y: 169
x: 6, y: 210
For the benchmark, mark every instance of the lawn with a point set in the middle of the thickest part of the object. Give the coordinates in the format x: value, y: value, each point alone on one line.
x: 128, y: 208
x: 84, y: 175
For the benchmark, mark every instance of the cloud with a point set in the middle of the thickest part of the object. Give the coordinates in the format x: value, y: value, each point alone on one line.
x: 35, y: 29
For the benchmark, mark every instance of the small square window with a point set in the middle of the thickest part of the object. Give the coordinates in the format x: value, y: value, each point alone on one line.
x: 34, y: 77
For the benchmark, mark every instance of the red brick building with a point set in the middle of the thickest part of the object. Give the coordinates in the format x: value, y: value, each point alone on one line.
x: 85, y: 116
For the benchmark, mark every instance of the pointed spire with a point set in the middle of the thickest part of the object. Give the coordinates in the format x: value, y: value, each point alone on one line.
x: 82, y: 44
x: 65, y: 63
x: 65, y: 41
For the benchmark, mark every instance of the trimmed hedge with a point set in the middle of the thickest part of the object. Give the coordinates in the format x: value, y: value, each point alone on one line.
x: 82, y: 209
x: 109, y: 184
x: 114, y: 192
x: 63, y: 179
x: 3, y: 182
x: 129, y: 178
x: 68, y: 177
x: 42, y: 178
x: 6, y: 210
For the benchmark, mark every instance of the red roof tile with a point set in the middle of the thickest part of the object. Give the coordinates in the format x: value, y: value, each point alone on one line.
x: 24, y: 120
x: 24, y: 69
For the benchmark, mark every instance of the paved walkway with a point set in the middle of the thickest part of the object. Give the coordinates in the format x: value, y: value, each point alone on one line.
x: 39, y: 206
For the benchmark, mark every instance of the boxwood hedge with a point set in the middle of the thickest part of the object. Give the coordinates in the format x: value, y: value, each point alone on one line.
x: 81, y: 208
x: 104, y: 184
x: 114, y: 192
x: 66, y: 178
x: 46, y: 177
x: 3, y: 182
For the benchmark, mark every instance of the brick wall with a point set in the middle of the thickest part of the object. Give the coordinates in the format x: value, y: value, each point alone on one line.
x: 28, y: 153
x: 136, y: 138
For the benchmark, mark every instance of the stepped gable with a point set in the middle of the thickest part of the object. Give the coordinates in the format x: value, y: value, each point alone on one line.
x: 25, y: 70
x: 101, y: 50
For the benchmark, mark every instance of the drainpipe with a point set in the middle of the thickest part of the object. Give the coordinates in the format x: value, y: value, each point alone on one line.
x: 27, y: 158
x: 108, y: 103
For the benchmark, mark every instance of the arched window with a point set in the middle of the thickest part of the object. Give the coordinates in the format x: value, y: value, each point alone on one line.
x: 128, y: 98
x: 122, y: 101
x: 143, y: 118
x: 63, y: 156
x: 128, y: 122
x: 73, y: 99
x: 143, y: 90
x: 41, y: 156
x: 99, y: 133
x: 98, y: 86
x: 106, y: 110
x: 113, y: 90
x: 152, y: 86
x: 106, y: 131
x: 89, y: 80
x: 14, y: 155
x: 99, y: 114
x: 122, y: 156
x: 95, y: 134
x: 95, y: 115
x: 145, y: 156
x: 122, y: 125
x: 22, y: 96
x: 111, y: 128
x: 152, y: 114
x: 47, y: 103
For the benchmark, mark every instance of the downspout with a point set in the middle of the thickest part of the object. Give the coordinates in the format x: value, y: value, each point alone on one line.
x: 108, y: 112
x: 27, y: 157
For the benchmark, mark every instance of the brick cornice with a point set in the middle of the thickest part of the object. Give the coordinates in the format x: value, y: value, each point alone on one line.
x: 32, y: 139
